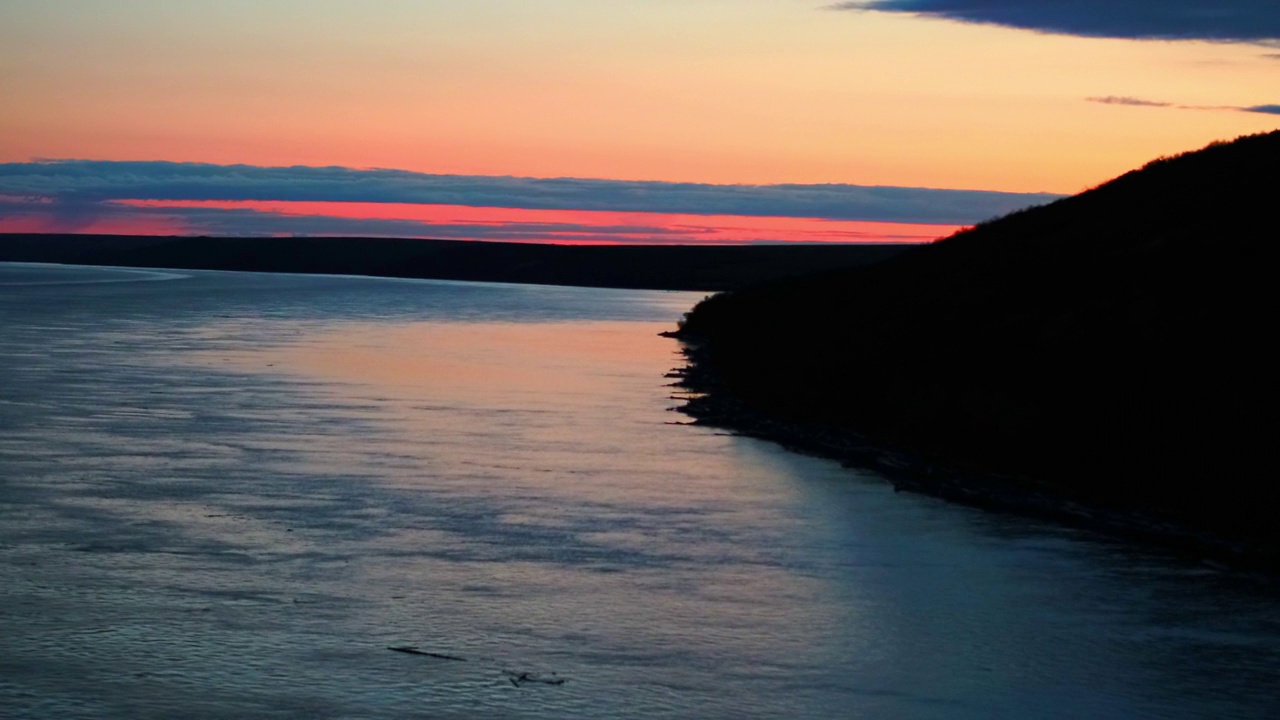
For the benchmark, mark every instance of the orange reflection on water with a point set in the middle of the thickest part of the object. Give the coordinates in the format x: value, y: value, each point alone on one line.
x: 529, y: 394
x: 472, y: 362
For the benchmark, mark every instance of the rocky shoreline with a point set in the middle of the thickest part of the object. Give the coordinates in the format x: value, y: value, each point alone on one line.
x: 708, y: 402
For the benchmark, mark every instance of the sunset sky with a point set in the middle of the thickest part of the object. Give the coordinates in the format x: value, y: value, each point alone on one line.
x: 605, y: 120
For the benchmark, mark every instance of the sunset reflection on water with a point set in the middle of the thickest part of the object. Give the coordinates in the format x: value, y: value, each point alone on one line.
x: 543, y: 398
x: 227, y: 494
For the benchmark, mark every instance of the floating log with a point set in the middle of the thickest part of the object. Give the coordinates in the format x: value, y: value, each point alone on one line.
x: 410, y: 650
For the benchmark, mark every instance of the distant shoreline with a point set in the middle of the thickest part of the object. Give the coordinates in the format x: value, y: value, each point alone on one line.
x: 652, y: 267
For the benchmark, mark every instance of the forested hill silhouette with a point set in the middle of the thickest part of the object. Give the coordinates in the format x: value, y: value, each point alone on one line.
x: 1114, y: 348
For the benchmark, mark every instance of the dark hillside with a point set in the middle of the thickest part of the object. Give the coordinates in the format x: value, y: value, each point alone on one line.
x: 1116, y: 345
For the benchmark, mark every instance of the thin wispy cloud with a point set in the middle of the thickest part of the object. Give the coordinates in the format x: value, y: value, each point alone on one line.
x: 1123, y: 100
x: 1140, y: 102
x: 1248, y: 21
x: 98, y: 181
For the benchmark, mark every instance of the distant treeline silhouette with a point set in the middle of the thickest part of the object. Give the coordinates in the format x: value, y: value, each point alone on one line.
x: 1115, y: 348
x: 659, y: 267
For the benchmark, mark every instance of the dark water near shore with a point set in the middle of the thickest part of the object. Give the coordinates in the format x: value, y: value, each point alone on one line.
x: 225, y: 495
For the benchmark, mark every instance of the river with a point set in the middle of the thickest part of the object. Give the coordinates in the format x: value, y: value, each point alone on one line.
x: 227, y: 495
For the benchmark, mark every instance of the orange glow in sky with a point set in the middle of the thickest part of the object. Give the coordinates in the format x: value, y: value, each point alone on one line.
x: 130, y: 225
x: 581, y: 226
x: 767, y: 91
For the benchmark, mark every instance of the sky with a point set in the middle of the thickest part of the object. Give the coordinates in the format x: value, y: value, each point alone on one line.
x: 686, y: 121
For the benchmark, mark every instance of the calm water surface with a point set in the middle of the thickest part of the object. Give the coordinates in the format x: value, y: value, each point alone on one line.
x: 226, y: 495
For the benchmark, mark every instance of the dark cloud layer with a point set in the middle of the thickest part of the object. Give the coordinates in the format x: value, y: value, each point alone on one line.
x: 1267, y: 109
x: 1253, y: 21
x: 86, y: 181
